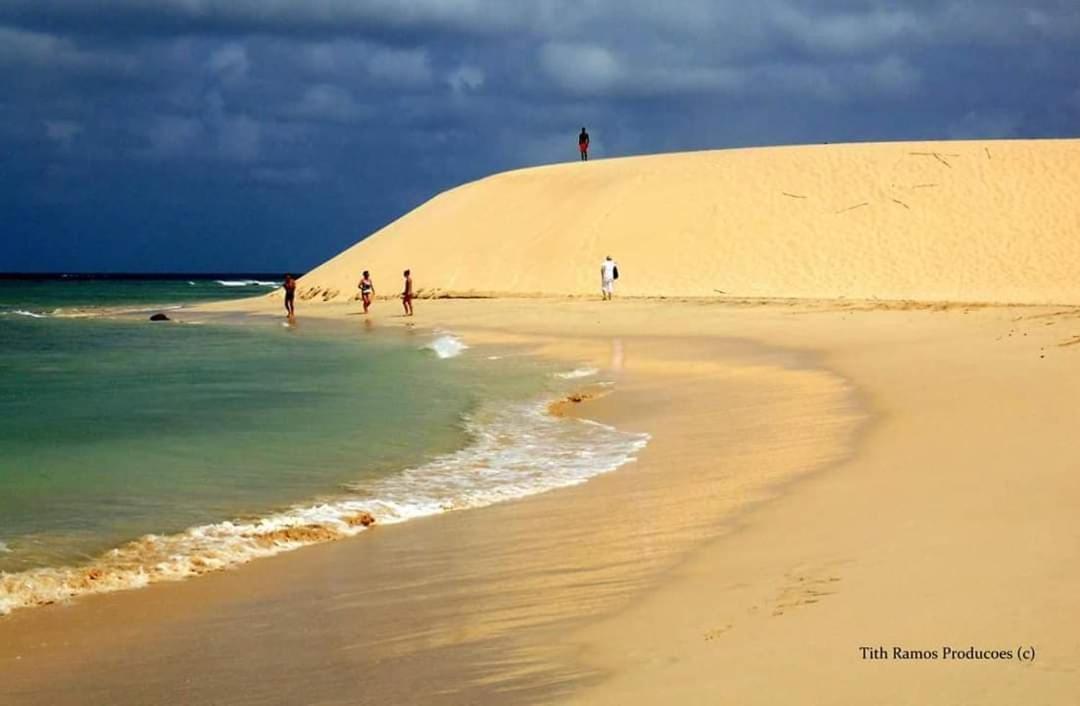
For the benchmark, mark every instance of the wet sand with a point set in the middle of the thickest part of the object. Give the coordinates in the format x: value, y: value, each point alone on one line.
x: 472, y: 605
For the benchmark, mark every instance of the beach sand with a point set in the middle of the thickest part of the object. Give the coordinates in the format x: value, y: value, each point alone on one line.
x: 989, y: 221
x: 920, y: 492
x: 822, y: 476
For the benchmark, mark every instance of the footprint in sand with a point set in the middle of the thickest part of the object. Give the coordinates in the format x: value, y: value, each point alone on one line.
x: 717, y: 632
x: 805, y: 587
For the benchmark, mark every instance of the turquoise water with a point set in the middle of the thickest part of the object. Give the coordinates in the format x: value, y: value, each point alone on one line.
x: 157, y: 451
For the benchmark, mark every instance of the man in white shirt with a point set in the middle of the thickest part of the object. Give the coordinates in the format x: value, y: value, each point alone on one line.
x: 609, y: 272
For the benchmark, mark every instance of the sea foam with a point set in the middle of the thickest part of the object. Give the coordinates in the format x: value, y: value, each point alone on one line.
x: 501, y: 463
x: 447, y: 346
x: 577, y: 373
x: 245, y: 283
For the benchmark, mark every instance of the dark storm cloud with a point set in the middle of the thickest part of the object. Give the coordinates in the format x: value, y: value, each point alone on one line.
x: 386, y: 19
x: 213, y: 134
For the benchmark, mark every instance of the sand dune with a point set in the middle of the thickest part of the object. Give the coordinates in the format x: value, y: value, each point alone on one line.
x: 945, y: 221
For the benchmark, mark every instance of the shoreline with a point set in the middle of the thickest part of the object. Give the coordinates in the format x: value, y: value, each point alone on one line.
x: 615, y: 579
x: 947, y: 520
x: 330, y: 516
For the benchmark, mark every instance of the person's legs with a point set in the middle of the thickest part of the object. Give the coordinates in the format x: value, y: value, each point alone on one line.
x: 367, y: 301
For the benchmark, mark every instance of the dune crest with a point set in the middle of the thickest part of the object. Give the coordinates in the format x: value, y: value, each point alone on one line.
x: 978, y: 221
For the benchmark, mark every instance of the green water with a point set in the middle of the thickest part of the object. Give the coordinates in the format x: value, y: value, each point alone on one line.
x: 63, y: 294
x: 115, y: 429
x: 133, y: 452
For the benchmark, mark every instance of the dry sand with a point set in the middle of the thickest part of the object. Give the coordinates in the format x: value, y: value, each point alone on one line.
x: 948, y: 221
x: 953, y: 525
x: 823, y: 475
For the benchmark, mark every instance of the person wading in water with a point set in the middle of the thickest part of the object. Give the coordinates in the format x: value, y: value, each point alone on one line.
x: 290, y: 296
x: 407, y: 295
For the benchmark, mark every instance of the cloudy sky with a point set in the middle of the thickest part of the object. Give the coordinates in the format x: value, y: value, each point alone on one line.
x: 266, y: 135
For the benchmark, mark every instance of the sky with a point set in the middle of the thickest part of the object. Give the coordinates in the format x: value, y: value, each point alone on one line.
x: 268, y: 135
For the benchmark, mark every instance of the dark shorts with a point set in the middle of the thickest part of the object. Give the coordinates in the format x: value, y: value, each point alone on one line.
x: 289, y: 296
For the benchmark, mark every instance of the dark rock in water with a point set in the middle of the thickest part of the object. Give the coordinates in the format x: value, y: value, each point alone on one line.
x: 160, y: 317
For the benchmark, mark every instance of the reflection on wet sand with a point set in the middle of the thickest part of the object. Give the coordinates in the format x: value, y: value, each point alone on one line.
x: 466, y: 605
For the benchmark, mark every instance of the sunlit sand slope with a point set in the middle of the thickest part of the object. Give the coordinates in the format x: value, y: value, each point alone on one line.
x: 994, y: 221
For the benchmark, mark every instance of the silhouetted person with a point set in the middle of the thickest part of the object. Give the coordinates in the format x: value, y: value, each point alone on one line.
x: 290, y: 295
x: 407, y: 295
x: 583, y: 145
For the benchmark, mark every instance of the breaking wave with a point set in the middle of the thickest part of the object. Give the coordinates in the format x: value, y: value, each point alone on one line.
x: 246, y: 283
x: 577, y: 373
x: 516, y: 450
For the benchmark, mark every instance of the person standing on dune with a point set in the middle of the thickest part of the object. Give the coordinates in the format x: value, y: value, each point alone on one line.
x: 407, y: 295
x: 609, y: 272
x: 290, y: 295
x: 583, y: 145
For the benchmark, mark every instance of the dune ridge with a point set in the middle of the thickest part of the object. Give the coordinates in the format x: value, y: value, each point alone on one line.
x: 970, y: 221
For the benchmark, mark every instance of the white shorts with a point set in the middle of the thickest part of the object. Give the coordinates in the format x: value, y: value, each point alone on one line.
x: 607, y: 286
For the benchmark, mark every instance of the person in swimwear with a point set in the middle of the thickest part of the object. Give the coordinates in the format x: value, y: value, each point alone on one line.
x: 367, y: 290
x: 290, y: 295
x: 583, y: 145
x: 407, y: 295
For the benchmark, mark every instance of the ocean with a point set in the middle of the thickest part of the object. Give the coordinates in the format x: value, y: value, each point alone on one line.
x: 133, y: 452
